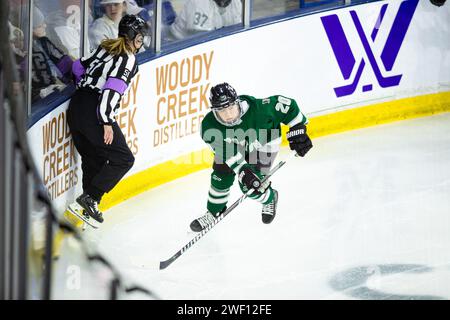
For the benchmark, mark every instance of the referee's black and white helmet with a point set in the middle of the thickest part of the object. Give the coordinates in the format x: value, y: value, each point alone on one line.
x: 130, y: 26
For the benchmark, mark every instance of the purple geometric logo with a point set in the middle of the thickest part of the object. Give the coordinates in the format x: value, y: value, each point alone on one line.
x: 344, y: 54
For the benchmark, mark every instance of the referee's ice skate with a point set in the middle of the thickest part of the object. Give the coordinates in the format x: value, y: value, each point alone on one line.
x: 79, y: 212
x: 90, y: 206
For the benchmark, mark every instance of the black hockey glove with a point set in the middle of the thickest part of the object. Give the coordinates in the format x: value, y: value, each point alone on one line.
x: 250, y: 180
x: 299, y: 140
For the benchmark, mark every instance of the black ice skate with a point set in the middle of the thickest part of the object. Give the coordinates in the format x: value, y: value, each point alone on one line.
x: 202, y: 222
x: 90, y: 206
x: 269, y: 210
x: 78, y: 211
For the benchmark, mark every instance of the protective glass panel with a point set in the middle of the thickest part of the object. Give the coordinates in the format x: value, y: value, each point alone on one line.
x: 185, y: 19
x: 270, y: 8
x: 56, y: 27
x: 18, y: 36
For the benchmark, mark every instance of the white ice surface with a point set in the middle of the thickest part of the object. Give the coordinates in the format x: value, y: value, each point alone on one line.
x: 365, y: 215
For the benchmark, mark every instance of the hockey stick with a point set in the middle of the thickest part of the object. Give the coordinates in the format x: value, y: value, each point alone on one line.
x: 164, y: 264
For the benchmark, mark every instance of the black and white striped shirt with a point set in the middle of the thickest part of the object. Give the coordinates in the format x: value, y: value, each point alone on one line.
x: 108, y: 75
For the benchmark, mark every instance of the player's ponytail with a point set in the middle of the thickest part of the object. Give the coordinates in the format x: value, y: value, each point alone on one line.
x: 116, y: 46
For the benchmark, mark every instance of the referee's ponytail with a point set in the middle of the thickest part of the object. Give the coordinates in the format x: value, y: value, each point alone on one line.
x: 117, y: 46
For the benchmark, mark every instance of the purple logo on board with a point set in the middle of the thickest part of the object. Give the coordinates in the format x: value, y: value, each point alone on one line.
x: 346, y: 59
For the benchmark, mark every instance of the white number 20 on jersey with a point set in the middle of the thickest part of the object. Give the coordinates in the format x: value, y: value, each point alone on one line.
x: 283, y: 104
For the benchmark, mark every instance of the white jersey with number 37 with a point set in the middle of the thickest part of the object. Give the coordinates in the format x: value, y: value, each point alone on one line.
x: 205, y: 15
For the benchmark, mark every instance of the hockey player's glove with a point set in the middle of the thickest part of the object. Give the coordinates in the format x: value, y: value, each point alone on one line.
x: 248, y: 179
x: 299, y: 140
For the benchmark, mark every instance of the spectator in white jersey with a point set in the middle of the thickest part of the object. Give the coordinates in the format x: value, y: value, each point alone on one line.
x: 102, y: 78
x: 206, y: 15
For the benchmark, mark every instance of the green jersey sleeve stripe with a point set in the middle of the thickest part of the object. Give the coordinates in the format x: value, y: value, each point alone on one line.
x: 300, y: 118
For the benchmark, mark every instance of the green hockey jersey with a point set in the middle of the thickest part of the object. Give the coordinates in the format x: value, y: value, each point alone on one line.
x: 259, y: 129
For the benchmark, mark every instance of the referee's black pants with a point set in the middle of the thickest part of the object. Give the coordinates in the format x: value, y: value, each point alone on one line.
x: 103, y: 165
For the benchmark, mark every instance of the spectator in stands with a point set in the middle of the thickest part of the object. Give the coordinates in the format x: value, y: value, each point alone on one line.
x: 16, y: 41
x: 17, y: 35
x: 17, y: 13
x: 134, y: 9
x: 107, y: 27
x: 103, y: 28
x: 146, y: 13
x: 206, y: 15
x: 143, y: 13
x: 64, y: 27
x: 51, y: 67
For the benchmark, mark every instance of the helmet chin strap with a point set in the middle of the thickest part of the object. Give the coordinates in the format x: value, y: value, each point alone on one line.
x: 132, y: 44
x: 135, y: 46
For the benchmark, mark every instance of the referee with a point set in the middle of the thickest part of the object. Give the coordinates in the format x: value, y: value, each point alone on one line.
x: 102, y: 78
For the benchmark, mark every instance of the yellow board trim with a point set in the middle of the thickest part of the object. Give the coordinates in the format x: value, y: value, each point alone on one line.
x: 402, y: 109
x: 341, y: 121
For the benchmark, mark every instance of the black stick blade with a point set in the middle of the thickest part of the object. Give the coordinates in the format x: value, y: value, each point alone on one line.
x: 165, y: 264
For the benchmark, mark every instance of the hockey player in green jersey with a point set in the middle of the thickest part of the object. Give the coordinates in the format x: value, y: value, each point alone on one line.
x: 245, y: 134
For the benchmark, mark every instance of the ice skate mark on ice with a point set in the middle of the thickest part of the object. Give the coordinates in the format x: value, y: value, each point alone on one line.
x: 354, y: 282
